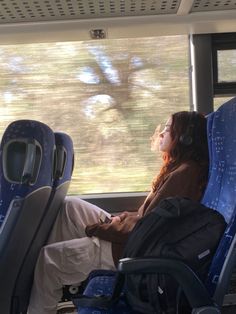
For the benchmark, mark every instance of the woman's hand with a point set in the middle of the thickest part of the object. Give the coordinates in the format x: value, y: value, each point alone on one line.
x: 115, y: 219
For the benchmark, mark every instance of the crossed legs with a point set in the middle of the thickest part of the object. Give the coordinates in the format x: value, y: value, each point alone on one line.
x: 69, y: 257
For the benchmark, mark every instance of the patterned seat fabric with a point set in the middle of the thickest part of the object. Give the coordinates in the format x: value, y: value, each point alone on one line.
x: 219, y: 195
x: 103, y: 285
x: 221, y: 187
x: 26, y: 176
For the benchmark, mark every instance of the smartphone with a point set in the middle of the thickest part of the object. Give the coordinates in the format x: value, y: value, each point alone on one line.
x: 103, y: 218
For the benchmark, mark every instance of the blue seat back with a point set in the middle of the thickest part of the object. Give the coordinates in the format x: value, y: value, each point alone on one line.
x: 26, y: 161
x: 65, y: 159
x: 221, y: 187
x: 26, y: 174
x: 220, y: 193
x: 63, y: 167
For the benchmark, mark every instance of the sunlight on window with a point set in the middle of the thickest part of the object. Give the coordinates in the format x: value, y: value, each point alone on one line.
x: 88, y: 76
x: 108, y: 95
x: 96, y: 103
x: 218, y: 101
x: 226, y: 65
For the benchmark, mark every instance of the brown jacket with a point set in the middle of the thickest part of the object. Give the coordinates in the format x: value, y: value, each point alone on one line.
x: 184, y: 181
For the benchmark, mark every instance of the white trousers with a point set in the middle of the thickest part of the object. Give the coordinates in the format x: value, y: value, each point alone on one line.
x: 69, y: 256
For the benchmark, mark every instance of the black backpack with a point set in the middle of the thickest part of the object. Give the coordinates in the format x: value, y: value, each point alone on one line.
x: 178, y: 228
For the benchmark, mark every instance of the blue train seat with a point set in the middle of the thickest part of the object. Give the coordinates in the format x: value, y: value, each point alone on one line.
x: 65, y: 160
x: 219, y: 195
x: 62, y: 177
x: 62, y: 171
x: 26, y: 175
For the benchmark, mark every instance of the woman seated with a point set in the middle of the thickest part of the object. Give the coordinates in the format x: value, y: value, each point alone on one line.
x: 85, y: 237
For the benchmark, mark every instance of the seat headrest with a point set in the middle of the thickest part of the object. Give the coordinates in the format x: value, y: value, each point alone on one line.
x: 26, y: 161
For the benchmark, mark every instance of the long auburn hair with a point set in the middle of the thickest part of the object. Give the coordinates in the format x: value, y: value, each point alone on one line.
x: 189, y: 123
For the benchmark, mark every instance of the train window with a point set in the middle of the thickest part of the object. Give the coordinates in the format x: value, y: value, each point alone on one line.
x: 218, y: 101
x: 224, y: 64
x: 108, y: 95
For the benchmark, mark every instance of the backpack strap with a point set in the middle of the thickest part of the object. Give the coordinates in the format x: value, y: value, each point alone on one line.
x: 169, y: 208
x: 174, y: 207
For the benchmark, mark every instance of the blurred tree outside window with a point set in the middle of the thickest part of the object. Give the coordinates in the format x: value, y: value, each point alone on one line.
x: 108, y: 95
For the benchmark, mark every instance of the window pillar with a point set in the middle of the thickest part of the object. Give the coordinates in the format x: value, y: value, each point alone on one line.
x: 201, y: 73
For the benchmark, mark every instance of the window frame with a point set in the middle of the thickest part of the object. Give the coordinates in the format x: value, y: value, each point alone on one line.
x: 224, y: 41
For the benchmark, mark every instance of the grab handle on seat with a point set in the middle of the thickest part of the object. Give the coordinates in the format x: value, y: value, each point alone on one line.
x: 29, y: 165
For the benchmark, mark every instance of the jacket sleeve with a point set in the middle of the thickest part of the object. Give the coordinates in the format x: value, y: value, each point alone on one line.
x: 183, y: 182
x: 116, y: 231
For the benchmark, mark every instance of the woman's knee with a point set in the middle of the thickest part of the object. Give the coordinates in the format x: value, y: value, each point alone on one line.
x: 80, y: 210
x: 71, y: 208
x: 73, y: 204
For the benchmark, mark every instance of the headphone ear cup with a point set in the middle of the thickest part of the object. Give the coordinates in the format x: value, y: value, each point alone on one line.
x: 186, y: 139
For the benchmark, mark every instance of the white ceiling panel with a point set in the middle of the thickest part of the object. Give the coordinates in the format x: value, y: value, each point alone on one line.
x: 17, y: 11
x: 58, y: 20
x: 213, y: 5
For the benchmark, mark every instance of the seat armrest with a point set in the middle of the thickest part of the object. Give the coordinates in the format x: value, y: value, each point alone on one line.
x: 192, y: 286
